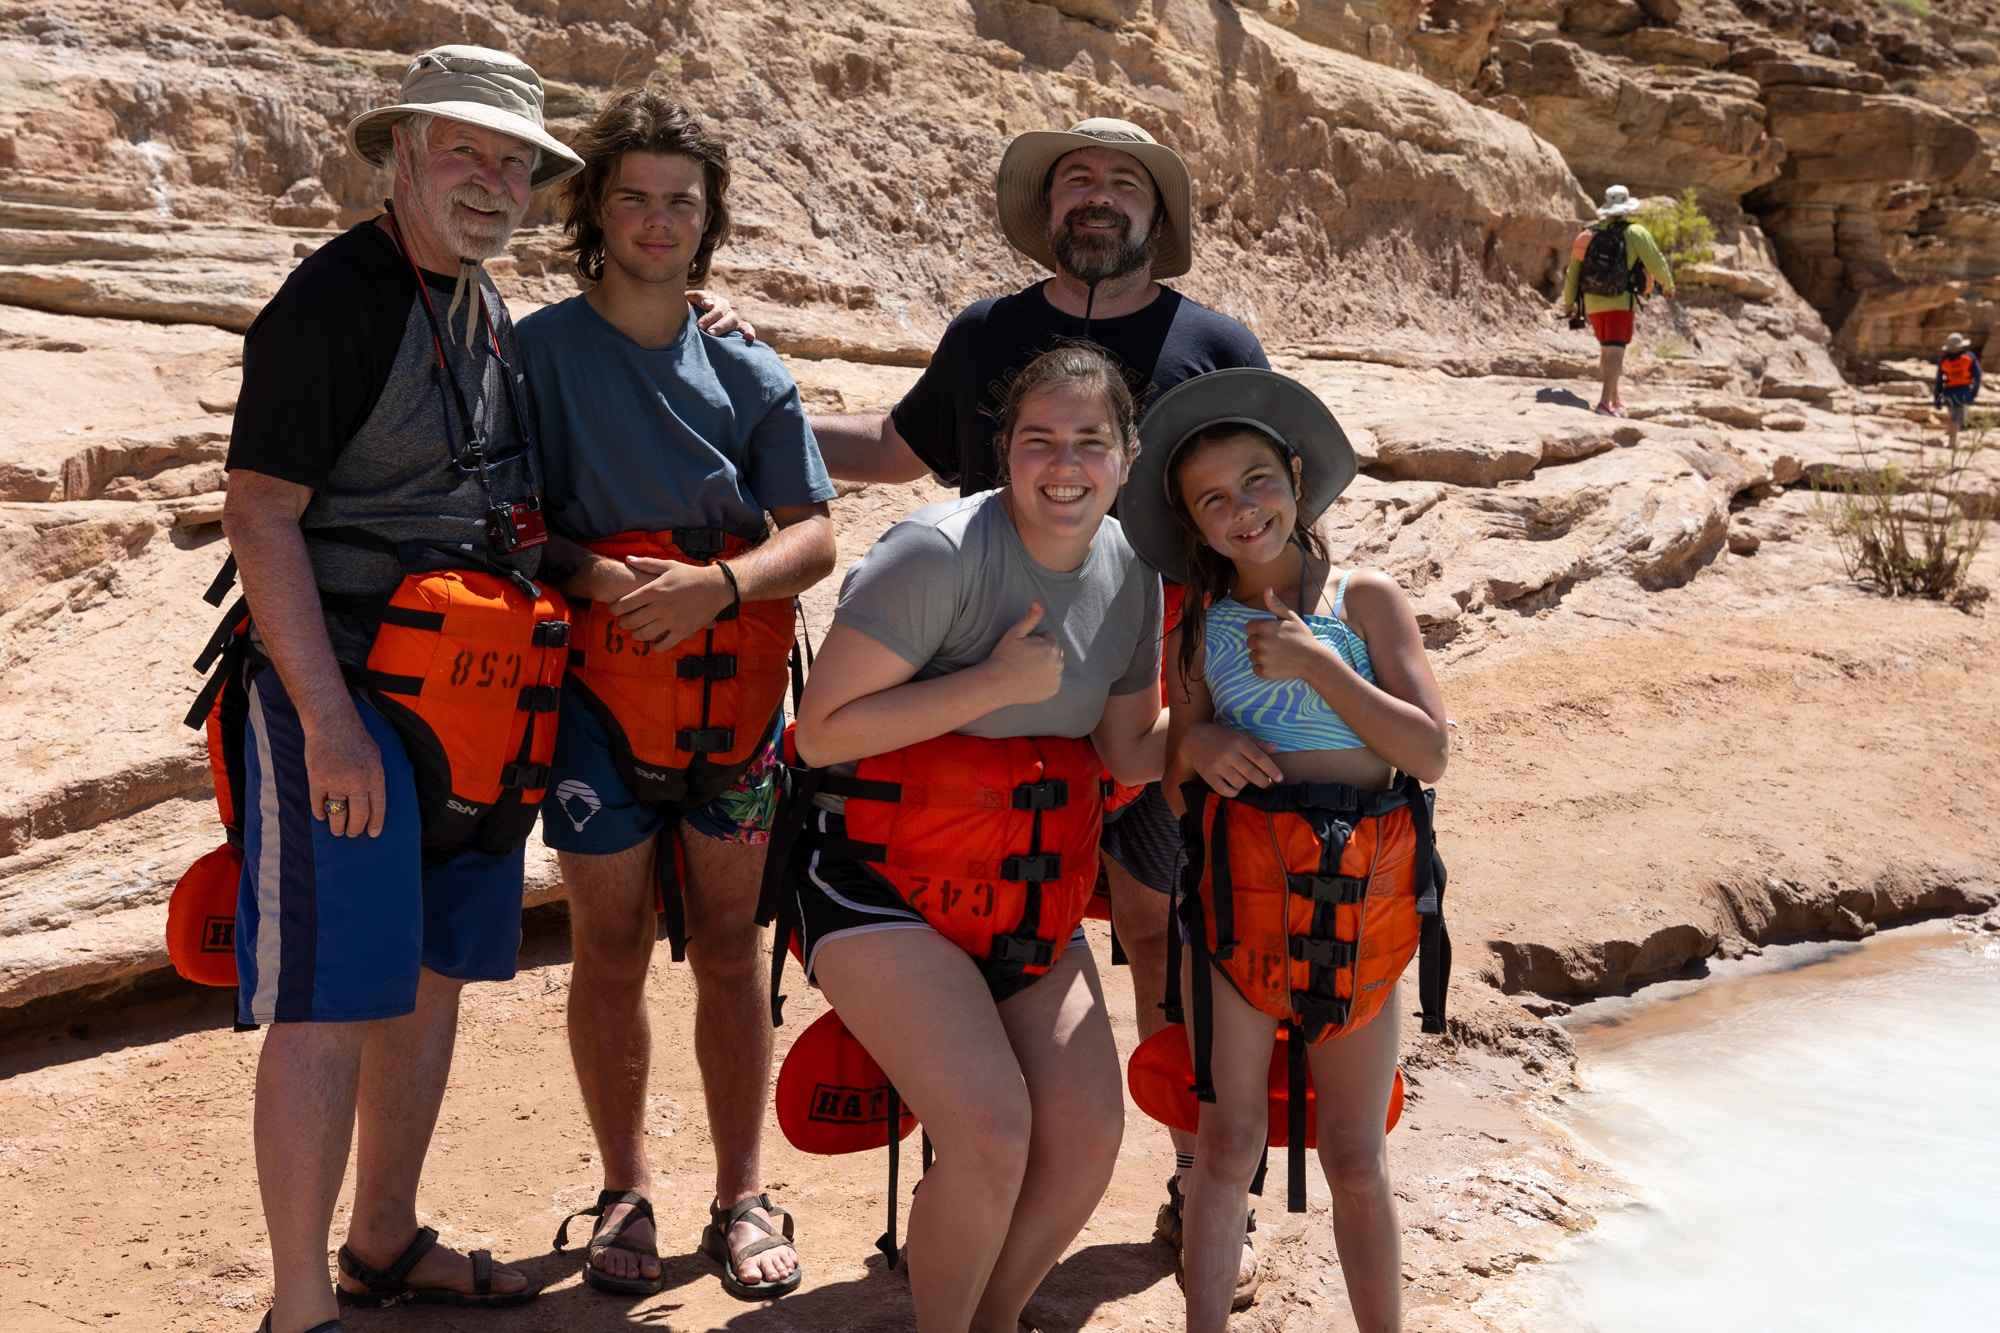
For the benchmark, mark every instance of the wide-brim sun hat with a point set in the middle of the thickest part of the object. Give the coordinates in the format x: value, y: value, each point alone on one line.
x: 1618, y: 201
x: 1955, y: 343
x: 1275, y: 404
x: 1024, y: 217
x: 474, y: 85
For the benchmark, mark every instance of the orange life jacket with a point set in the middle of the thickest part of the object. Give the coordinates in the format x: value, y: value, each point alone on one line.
x: 683, y: 721
x: 1957, y: 370
x: 201, y: 918
x: 468, y: 667
x: 992, y: 841
x: 1311, y: 899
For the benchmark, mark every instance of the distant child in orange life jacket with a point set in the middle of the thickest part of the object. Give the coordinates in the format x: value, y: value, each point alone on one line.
x: 989, y: 658
x: 1301, y: 697
x: 1957, y: 384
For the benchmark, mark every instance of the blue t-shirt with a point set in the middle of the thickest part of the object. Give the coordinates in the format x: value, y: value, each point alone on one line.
x: 705, y: 432
x: 951, y: 414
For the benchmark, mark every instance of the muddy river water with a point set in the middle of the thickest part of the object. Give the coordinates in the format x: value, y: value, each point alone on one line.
x: 1816, y: 1140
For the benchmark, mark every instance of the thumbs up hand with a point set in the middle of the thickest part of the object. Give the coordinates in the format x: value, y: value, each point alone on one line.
x: 1284, y: 648
x: 1028, y: 665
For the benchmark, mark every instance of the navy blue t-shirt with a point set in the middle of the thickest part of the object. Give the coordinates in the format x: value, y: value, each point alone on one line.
x: 950, y: 416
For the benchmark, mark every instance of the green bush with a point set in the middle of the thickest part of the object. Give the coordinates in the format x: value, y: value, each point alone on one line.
x: 1682, y: 231
x: 1911, y: 532
x: 1916, y: 8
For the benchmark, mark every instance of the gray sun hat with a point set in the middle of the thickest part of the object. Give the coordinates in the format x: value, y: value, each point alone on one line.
x: 1955, y: 343
x: 1024, y: 214
x: 475, y: 85
x: 1276, y: 404
x: 1618, y: 201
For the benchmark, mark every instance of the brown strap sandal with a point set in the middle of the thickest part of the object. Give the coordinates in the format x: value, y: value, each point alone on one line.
x: 386, y: 1286
x: 613, y: 1237
x: 715, y: 1244
x: 1167, y: 1227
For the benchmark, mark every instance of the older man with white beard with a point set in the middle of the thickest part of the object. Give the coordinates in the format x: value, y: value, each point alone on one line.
x: 380, y: 437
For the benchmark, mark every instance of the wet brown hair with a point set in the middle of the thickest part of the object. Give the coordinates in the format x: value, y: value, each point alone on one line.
x: 640, y: 120
x: 1210, y: 572
x: 1074, y: 365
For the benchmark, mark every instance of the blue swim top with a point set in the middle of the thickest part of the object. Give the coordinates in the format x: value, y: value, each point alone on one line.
x: 1290, y: 714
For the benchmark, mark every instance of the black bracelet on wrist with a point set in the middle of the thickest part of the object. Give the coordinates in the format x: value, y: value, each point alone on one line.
x: 735, y: 592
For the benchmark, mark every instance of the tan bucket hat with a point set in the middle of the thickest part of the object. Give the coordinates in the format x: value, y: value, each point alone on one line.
x: 478, y: 86
x: 1955, y: 343
x: 1024, y: 217
x: 1275, y: 404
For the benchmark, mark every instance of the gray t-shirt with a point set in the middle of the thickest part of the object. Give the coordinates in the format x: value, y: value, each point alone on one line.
x: 705, y: 432
x: 942, y: 586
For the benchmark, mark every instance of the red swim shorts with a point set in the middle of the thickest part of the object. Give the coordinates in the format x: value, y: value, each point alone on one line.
x: 1612, y: 327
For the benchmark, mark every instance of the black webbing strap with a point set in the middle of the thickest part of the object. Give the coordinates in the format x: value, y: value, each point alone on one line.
x: 1295, y: 1120
x: 224, y: 635
x: 384, y: 681
x: 361, y: 608
x: 1194, y: 804
x: 224, y: 652
x: 1118, y: 958
x: 888, y: 1242
x: 1223, y: 895
x: 1433, y: 940
x: 927, y: 1155
x: 800, y: 668
x: 673, y: 908
x: 775, y: 900
x: 225, y: 579
x: 1334, y: 797
x: 1263, y: 1169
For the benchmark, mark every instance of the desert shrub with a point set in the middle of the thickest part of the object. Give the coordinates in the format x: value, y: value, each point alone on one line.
x: 1915, y: 8
x: 1682, y: 231
x: 1912, y: 531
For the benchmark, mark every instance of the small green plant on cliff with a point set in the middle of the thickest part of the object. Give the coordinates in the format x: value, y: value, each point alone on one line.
x: 1681, y: 230
x: 1912, y: 531
x: 1916, y: 8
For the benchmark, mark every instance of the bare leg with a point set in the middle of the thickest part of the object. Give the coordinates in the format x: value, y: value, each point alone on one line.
x: 1140, y: 916
x: 1353, y: 1151
x: 1061, y: 1035
x: 732, y: 1026
x: 1229, y: 1147
x: 951, y: 1060
x: 1610, y: 364
x: 405, y: 1063
x: 612, y: 925
x: 304, y: 1124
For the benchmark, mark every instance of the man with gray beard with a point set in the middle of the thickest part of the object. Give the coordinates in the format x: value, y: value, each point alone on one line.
x: 1109, y: 211
x: 381, y: 446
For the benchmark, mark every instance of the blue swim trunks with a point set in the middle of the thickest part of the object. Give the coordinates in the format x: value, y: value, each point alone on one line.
x: 334, y: 929
x: 590, y: 810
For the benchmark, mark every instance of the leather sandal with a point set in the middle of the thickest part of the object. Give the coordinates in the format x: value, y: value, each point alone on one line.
x: 613, y: 1237
x: 386, y: 1286
x: 715, y: 1244
x: 1167, y: 1227
x: 328, y: 1326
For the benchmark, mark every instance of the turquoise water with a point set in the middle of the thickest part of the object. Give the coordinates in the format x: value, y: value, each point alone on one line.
x: 1817, y: 1147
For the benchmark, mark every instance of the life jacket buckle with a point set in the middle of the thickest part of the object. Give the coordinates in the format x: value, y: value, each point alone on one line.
x: 1344, y: 890
x: 1012, y: 949
x: 713, y: 666
x: 1324, y: 953
x: 525, y: 777
x: 1043, y: 869
x: 551, y: 634
x: 539, y: 698
x: 699, y: 543
x: 705, y: 740
x: 1320, y: 1011
x: 1050, y: 795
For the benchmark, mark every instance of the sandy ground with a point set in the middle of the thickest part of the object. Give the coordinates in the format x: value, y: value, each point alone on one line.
x: 1632, y: 776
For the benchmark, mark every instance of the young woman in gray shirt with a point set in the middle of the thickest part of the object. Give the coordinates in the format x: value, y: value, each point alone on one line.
x: 988, y: 659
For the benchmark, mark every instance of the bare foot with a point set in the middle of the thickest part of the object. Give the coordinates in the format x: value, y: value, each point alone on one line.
x: 441, y: 1266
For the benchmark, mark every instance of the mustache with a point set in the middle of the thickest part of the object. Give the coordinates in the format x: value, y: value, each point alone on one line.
x: 474, y: 197
x: 1086, y: 214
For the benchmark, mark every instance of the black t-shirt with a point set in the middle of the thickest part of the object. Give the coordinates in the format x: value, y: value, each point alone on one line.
x: 951, y: 414
x: 342, y: 394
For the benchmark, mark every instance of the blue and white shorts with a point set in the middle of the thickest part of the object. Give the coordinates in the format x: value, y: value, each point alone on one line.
x: 335, y: 929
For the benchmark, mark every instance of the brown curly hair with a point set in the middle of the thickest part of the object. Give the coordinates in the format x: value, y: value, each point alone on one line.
x: 640, y: 120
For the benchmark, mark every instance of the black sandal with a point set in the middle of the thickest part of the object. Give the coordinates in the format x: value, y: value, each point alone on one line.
x: 386, y: 1286
x: 1167, y: 1227
x: 613, y: 1238
x: 715, y: 1244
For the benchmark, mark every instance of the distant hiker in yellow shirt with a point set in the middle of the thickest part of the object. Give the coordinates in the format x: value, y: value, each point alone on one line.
x: 1602, y: 286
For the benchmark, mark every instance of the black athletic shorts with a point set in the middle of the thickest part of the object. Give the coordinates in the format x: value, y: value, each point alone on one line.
x: 839, y: 896
x: 1145, y: 839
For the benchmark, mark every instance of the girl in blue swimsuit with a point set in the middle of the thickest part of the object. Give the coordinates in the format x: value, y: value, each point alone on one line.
x: 1289, y: 671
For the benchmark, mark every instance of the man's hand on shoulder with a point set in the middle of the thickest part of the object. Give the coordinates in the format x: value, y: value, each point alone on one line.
x: 715, y: 316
